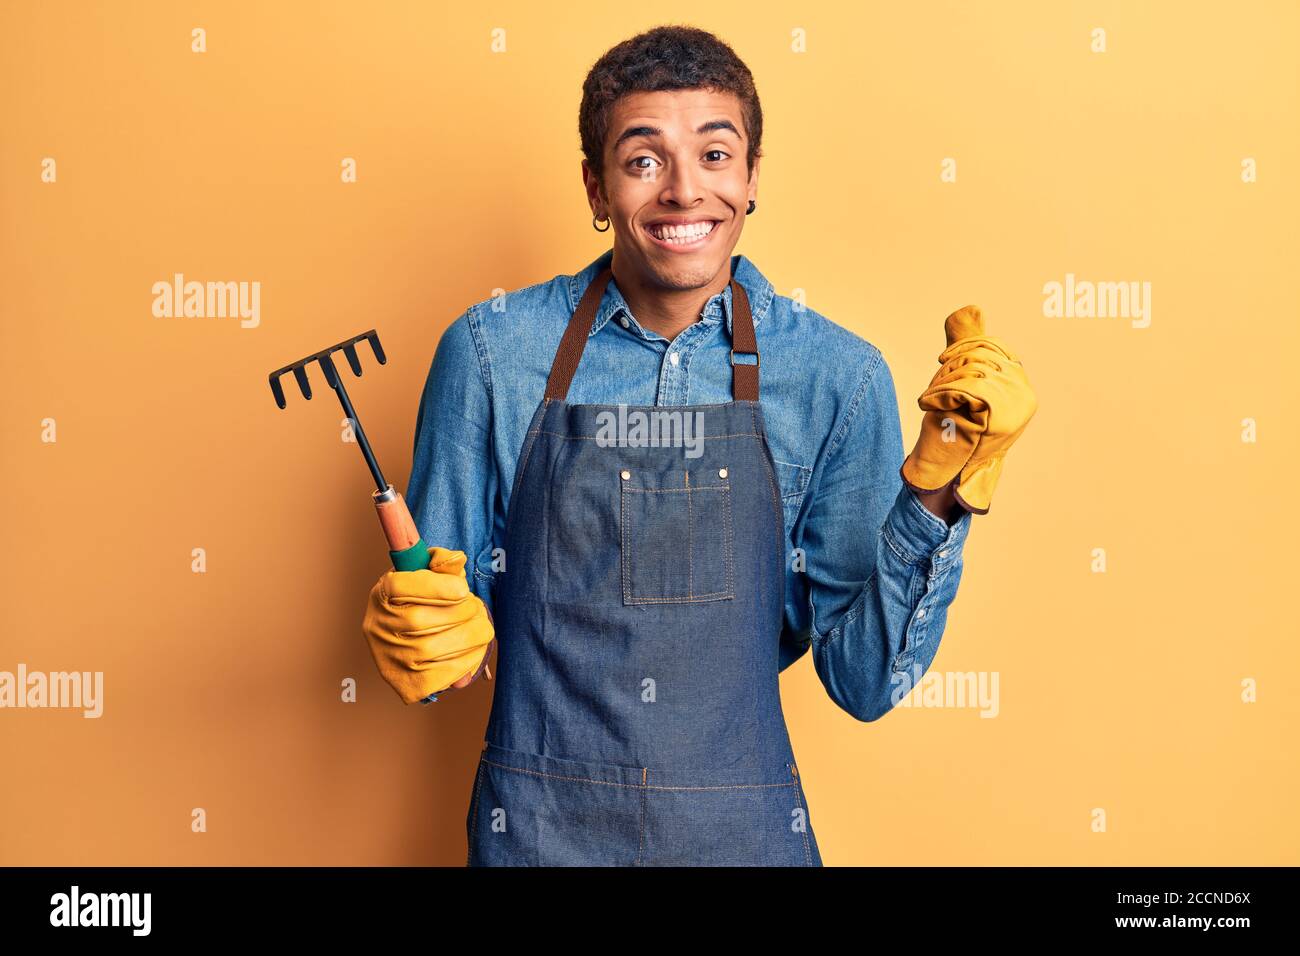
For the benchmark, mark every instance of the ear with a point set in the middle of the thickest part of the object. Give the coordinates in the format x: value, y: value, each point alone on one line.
x: 591, y: 183
x: 753, y: 179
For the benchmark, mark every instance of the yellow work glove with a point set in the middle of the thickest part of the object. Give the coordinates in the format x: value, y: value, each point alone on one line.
x: 427, y: 630
x: 976, y: 406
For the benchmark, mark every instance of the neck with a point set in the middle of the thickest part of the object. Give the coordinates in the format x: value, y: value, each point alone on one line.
x: 667, y: 311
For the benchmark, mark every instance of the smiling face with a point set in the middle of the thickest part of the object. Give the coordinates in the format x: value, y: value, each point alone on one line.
x: 675, y: 186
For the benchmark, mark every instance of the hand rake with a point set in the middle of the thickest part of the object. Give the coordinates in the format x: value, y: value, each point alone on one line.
x: 406, y: 547
x: 408, y: 550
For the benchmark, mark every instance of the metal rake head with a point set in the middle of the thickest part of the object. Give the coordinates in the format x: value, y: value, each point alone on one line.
x: 299, y: 368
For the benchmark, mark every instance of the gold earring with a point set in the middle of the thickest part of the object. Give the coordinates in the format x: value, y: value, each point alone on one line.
x: 595, y: 219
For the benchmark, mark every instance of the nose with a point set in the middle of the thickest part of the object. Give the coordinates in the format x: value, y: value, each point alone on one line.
x: 681, y: 185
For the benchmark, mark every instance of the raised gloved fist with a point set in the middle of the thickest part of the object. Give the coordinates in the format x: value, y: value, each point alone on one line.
x: 426, y: 629
x: 976, y: 406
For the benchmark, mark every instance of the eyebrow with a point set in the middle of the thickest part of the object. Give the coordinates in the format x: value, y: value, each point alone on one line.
x: 634, y: 131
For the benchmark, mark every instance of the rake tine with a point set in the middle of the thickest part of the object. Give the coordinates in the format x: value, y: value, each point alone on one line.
x: 325, y: 359
x: 351, y: 352
x: 331, y: 373
x: 300, y: 374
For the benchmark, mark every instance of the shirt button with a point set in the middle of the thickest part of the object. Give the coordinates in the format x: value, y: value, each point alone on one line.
x: 674, y: 358
x: 920, y: 614
x: 943, y: 553
x: 624, y: 321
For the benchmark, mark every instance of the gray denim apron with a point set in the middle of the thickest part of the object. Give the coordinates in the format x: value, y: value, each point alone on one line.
x: 637, y: 716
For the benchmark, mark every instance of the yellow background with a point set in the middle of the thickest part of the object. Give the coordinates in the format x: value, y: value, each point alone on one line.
x: 1119, y: 691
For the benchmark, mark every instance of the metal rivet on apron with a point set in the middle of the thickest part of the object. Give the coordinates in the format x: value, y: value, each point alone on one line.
x: 722, y: 473
x: 625, y: 474
x: 794, y: 771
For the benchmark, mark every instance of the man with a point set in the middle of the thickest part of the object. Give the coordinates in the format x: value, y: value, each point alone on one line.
x: 649, y: 576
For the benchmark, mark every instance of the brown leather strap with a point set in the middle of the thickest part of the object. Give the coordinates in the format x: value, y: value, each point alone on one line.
x: 569, y: 354
x: 744, y: 378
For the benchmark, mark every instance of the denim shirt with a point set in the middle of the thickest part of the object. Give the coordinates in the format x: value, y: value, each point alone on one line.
x: 870, y: 573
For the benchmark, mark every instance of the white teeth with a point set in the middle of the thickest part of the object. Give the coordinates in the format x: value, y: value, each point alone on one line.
x: 678, y: 235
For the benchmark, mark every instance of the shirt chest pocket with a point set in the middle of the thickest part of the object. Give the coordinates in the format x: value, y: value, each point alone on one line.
x: 676, y: 538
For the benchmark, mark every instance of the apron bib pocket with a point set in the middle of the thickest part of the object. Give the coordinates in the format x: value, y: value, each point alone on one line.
x: 676, y: 536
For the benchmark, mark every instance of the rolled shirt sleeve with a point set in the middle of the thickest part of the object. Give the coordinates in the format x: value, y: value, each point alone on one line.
x: 880, y: 570
x: 453, y: 483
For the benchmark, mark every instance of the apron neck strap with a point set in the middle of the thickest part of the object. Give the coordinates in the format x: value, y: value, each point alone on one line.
x: 744, y: 377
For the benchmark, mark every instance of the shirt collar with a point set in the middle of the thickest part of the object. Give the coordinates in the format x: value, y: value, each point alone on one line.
x: 612, y: 304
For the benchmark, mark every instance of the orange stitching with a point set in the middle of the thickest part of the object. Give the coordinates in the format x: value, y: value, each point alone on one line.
x: 626, y: 558
x: 733, y: 786
x: 730, y: 556
x: 557, y: 776
x: 598, y: 438
x: 640, y: 847
x: 690, y: 564
x: 634, y: 786
x: 661, y: 491
x: 691, y: 599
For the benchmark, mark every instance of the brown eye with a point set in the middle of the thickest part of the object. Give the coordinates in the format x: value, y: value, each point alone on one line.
x: 716, y: 152
x: 636, y: 163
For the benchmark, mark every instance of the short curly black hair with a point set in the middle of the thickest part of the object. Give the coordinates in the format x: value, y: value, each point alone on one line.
x: 667, y: 57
